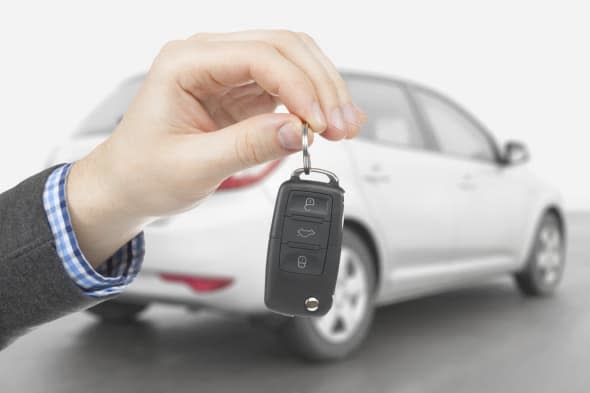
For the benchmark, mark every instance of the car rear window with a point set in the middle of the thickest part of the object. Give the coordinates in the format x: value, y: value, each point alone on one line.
x: 105, y: 117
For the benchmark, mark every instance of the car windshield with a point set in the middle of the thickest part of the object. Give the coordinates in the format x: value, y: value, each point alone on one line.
x: 105, y: 117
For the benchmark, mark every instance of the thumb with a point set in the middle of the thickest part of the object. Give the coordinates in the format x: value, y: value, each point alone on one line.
x: 255, y: 140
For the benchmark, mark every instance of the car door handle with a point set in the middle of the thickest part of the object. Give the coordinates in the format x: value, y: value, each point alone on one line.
x: 376, y: 178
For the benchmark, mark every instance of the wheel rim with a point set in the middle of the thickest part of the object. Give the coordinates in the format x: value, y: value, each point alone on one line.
x: 549, y: 256
x: 350, y: 304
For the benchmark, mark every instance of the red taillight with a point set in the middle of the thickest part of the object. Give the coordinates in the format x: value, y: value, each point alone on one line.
x: 248, y: 176
x: 199, y: 284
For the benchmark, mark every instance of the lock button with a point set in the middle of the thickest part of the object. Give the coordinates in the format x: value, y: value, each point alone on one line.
x: 300, y: 260
x: 309, y: 204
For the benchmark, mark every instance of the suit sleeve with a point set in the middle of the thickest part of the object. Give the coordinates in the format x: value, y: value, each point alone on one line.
x: 34, y: 286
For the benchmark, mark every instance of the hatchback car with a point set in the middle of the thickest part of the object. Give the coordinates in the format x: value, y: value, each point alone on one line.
x: 432, y: 203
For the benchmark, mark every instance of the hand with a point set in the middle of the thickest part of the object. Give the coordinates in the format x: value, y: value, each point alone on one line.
x: 203, y: 113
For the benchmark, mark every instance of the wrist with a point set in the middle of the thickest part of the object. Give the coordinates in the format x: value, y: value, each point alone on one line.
x: 102, y: 216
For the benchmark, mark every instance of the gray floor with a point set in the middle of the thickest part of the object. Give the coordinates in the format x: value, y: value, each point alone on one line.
x: 481, y: 339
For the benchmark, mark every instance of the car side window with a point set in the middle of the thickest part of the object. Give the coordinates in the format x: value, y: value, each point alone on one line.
x: 456, y: 133
x: 389, y: 116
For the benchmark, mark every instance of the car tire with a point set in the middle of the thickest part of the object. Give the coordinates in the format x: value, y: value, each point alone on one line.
x: 116, y: 311
x: 318, y: 339
x: 545, y: 263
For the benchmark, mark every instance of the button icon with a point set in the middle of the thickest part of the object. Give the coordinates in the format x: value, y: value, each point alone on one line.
x: 305, y: 233
x: 301, y: 261
x: 309, y: 203
x: 302, y: 203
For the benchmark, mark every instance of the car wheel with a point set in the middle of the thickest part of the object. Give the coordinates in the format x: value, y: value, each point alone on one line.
x: 116, y: 311
x: 343, y: 329
x: 546, y: 261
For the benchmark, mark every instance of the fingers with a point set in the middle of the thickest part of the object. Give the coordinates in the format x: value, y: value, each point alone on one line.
x: 205, y: 68
x: 240, y: 103
x: 250, y: 142
x: 353, y: 116
x: 297, y: 51
x: 299, y: 48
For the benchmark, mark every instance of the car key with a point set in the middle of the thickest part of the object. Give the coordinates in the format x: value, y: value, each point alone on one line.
x: 305, y: 242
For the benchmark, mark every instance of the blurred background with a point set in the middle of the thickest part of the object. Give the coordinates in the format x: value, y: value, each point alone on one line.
x: 519, y: 67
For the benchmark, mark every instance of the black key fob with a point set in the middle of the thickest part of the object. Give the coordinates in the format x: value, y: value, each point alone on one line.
x: 304, y: 246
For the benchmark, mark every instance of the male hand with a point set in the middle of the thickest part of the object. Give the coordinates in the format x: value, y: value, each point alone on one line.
x: 203, y: 113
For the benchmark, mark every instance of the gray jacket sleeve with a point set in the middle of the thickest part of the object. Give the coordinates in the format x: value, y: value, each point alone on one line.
x: 34, y: 286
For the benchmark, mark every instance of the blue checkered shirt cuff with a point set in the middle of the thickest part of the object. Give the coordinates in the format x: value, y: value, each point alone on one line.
x: 112, y: 276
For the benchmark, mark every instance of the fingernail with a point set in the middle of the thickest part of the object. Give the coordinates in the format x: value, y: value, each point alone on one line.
x: 337, y: 119
x: 351, y: 115
x: 289, y: 137
x: 318, y: 119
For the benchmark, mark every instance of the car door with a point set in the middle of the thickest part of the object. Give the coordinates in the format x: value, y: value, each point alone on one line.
x: 489, y: 206
x: 408, y: 194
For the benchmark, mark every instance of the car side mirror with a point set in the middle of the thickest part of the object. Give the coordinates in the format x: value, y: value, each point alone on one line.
x: 515, y: 153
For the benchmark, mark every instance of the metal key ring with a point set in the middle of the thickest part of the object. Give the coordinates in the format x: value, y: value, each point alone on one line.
x: 305, y: 144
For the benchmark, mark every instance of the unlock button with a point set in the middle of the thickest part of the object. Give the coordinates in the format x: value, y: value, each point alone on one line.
x: 299, y: 260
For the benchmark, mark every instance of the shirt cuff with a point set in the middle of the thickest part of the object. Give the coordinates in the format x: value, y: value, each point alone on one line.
x: 112, y: 276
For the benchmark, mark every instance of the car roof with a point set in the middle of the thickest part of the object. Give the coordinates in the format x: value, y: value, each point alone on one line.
x: 133, y: 82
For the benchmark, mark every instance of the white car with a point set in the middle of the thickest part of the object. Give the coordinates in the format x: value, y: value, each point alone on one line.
x: 431, y: 203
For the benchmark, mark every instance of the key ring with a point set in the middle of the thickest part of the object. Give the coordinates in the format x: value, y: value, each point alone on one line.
x: 305, y: 144
x: 333, y: 178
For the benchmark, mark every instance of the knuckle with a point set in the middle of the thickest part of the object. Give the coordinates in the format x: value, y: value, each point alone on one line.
x: 280, y: 32
x: 262, y: 47
x: 285, y: 36
x: 200, y: 37
x: 342, y: 88
x: 298, y: 83
x: 171, y: 47
x: 168, y: 55
x: 174, y: 55
x: 340, y: 84
x: 265, y: 55
x: 326, y: 87
x: 306, y: 38
x: 284, y: 31
x: 326, y: 80
x: 328, y: 94
x: 246, y: 149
